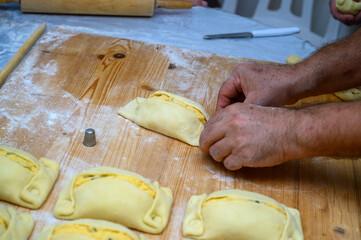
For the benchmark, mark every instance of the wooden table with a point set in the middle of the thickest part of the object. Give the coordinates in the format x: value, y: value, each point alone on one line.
x: 73, y: 81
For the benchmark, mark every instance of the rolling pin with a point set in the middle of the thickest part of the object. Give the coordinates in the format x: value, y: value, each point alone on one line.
x: 100, y: 7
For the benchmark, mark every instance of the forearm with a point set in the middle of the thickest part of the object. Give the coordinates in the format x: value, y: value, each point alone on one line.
x: 326, y: 130
x: 334, y: 67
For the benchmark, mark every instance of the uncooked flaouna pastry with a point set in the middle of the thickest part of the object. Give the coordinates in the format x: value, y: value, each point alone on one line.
x: 240, y: 215
x: 115, y: 195
x: 348, y: 6
x: 88, y: 229
x: 14, y: 225
x: 168, y: 114
x: 23, y: 179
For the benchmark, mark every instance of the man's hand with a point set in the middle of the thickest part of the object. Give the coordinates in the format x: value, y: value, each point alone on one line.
x: 245, y: 135
x: 347, y: 19
x: 199, y: 3
x: 257, y: 84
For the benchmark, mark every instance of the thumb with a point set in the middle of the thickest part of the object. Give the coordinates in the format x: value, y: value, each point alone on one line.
x: 252, y: 99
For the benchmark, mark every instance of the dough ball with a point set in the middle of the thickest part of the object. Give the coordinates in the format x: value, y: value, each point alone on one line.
x: 348, y: 6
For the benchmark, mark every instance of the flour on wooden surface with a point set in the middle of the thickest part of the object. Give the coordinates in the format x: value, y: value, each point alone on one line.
x: 50, y: 68
x: 28, y: 107
x: 55, y: 39
x: 218, y: 175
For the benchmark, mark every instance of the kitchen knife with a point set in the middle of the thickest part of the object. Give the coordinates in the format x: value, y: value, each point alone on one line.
x: 270, y: 32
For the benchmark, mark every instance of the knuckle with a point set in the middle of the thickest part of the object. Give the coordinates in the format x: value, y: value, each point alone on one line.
x: 215, y: 152
x: 239, y: 140
x: 247, y: 154
x: 236, y: 121
x: 233, y: 164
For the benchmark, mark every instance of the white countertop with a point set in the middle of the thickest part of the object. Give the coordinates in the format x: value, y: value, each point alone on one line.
x: 181, y: 28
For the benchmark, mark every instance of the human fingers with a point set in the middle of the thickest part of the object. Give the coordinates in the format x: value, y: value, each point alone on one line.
x: 231, y: 90
x: 210, y: 135
x: 347, y: 19
x: 233, y: 162
x: 216, y: 117
x: 197, y: 2
x: 239, y: 98
x: 332, y: 4
x: 227, y: 93
x: 253, y: 99
x: 220, y: 150
x: 358, y: 18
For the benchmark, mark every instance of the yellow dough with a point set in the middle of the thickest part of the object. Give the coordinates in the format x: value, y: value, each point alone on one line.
x: 293, y: 59
x: 348, y: 6
x: 88, y: 229
x: 168, y: 114
x: 353, y: 94
x: 23, y: 179
x: 14, y: 225
x: 115, y: 195
x: 240, y: 215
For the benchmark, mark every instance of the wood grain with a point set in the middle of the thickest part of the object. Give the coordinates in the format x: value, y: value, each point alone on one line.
x: 73, y: 81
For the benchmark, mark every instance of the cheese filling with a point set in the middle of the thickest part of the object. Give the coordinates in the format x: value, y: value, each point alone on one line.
x: 128, y: 178
x: 202, y: 118
x: 99, y: 233
x: 26, y: 163
x: 229, y: 199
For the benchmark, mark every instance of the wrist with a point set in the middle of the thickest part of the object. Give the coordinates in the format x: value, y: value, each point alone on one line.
x: 304, y: 80
x: 287, y: 147
x: 301, y: 133
x: 294, y: 83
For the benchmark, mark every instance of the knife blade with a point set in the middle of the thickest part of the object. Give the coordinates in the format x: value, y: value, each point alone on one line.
x: 269, y: 32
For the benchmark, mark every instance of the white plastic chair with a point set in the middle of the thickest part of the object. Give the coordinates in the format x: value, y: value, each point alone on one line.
x: 284, y: 17
x: 229, y: 6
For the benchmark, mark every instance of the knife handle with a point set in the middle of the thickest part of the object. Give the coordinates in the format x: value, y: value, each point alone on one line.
x: 275, y: 32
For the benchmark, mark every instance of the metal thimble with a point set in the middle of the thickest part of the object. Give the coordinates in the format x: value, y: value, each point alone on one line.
x: 89, y: 138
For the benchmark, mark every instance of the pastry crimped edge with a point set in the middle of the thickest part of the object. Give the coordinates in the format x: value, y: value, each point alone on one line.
x: 19, y: 225
x: 185, y: 100
x: 161, y: 203
x: 130, y: 109
x: 43, y: 180
x: 47, y: 232
x: 194, y: 213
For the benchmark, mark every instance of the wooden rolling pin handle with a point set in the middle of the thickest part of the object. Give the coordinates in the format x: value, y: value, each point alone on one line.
x: 173, y: 4
x: 9, y: 1
x: 20, y: 54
